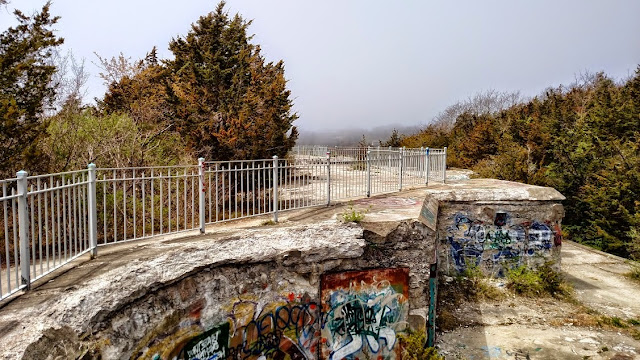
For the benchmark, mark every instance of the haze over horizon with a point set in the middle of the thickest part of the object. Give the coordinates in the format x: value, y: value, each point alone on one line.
x: 365, y: 64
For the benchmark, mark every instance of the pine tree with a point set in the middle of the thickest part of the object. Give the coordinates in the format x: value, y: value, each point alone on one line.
x: 25, y: 89
x: 228, y: 102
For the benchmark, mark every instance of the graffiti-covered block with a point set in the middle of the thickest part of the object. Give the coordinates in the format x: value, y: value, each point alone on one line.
x: 506, y: 240
x: 363, y: 313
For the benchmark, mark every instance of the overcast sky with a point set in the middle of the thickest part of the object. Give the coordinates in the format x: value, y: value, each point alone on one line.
x: 353, y: 64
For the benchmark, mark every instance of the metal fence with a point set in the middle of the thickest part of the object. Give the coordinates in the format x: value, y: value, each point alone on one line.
x: 49, y: 220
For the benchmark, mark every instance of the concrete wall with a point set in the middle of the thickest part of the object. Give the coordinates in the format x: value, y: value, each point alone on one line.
x: 298, y: 305
x: 495, y: 226
x: 498, y: 236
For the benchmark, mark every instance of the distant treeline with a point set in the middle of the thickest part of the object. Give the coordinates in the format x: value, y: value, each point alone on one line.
x: 583, y: 140
x: 373, y: 136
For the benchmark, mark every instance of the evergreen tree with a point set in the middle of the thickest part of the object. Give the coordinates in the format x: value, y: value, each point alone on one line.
x: 394, y: 140
x: 228, y: 102
x: 25, y: 89
x: 583, y: 140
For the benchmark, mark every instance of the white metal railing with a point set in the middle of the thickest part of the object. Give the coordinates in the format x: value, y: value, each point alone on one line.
x: 49, y: 220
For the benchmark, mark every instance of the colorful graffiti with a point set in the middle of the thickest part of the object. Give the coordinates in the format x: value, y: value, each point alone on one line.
x: 288, y: 330
x: 360, y: 315
x: 498, y: 245
x: 287, y: 327
x: 364, y: 311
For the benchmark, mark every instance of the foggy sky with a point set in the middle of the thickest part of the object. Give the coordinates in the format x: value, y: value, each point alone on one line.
x: 361, y: 64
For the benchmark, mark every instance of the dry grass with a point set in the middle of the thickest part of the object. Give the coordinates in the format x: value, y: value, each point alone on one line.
x: 589, y: 318
x: 634, y: 274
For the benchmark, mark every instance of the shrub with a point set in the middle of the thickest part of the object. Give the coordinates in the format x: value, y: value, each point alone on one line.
x: 524, y: 281
x: 542, y: 281
x: 353, y: 215
x: 414, y: 348
x: 634, y: 274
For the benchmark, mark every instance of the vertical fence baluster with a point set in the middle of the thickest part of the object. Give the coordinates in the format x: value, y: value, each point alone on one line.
x: 124, y: 205
x: 30, y: 203
x: 217, y: 195
x: 144, y: 207
x: 23, y: 229
x: 6, y: 236
x: 184, y: 188
x: 201, y: 194
x: 133, y: 190
x: 209, y: 189
x: 115, y: 203
x: 193, y: 209
x: 153, y: 213
x: 275, y: 188
x: 93, y: 211
x: 169, y: 199
x: 444, y: 165
x: 104, y: 208
x: 46, y: 225
x: 16, y: 248
x: 39, y: 226
x: 160, y: 183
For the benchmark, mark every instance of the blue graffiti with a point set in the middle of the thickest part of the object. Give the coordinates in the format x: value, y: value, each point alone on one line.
x: 540, y: 238
x: 473, y: 242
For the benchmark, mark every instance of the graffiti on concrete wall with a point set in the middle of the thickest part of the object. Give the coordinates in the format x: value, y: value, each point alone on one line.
x: 212, y: 344
x: 280, y: 330
x: 364, y: 312
x: 498, y: 245
x: 359, y: 316
x: 284, y: 327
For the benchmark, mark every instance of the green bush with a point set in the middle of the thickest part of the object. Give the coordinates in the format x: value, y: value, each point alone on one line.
x: 353, y: 215
x: 524, y: 281
x: 542, y: 281
x: 413, y: 343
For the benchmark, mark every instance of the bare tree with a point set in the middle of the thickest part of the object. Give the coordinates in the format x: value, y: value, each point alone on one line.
x: 485, y: 102
x: 70, y: 79
x: 117, y: 68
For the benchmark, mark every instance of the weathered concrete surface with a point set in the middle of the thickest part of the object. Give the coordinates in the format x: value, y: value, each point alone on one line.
x: 492, y: 190
x: 83, y: 297
x: 600, y: 281
x: 134, y: 298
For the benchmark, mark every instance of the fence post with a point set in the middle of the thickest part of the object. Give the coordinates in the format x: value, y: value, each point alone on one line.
x: 418, y: 161
x: 368, y: 172
x: 400, y: 168
x: 202, y: 192
x: 275, y: 188
x: 426, y: 165
x: 23, y: 229
x: 444, y: 166
x: 93, y: 211
x: 328, y: 178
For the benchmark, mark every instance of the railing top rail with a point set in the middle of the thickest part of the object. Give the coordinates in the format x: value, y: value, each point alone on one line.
x: 9, y: 197
x: 32, y: 177
x: 236, y: 161
x: 148, y: 167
